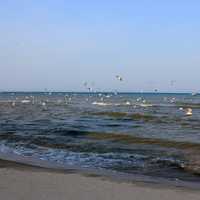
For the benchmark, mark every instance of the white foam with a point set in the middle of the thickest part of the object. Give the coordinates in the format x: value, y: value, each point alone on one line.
x: 145, y: 105
x: 25, y: 101
x: 128, y: 103
x: 101, y: 103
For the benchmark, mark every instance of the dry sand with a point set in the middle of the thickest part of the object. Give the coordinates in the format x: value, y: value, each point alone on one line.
x: 20, y: 182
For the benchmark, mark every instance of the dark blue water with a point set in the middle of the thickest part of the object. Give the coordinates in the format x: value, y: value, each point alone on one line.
x: 148, y: 134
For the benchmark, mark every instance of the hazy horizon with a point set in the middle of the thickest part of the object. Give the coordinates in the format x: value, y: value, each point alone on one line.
x: 60, y: 45
x: 98, y: 92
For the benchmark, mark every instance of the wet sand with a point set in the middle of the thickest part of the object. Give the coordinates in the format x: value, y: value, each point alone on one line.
x: 18, y: 182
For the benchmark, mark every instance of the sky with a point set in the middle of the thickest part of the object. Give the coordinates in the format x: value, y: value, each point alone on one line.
x: 58, y: 45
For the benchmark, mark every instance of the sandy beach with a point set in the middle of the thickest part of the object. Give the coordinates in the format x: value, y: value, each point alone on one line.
x: 21, y: 182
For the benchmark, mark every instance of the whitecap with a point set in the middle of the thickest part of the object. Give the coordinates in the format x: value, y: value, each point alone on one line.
x: 145, y: 105
x: 25, y: 101
x: 101, y: 103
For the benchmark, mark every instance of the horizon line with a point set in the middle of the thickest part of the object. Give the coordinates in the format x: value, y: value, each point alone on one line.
x: 96, y: 92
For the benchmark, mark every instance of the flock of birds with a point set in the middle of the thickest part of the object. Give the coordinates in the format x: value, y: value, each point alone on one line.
x: 188, y: 111
x: 67, y: 99
x: 31, y: 100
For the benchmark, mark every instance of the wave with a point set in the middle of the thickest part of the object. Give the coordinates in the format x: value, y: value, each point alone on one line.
x: 188, y: 104
x: 102, y: 103
x: 90, y: 154
x: 130, y: 139
x: 127, y: 103
x: 131, y: 162
x: 191, y: 151
x: 61, y: 137
x: 145, y: 105
x: 131, y: 116
x: 182, y: 120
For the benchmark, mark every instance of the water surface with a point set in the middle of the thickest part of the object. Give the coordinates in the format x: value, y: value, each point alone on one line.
x: 138, y: 133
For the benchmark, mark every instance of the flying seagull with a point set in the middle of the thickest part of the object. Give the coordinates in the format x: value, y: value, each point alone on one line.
x: 119, y: 78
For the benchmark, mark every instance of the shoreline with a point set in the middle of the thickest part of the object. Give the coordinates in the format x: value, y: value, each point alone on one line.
x: 18, y: 162
x: 20, y: 181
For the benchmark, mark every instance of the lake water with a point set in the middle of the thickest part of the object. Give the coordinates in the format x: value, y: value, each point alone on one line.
x: 133, y: 133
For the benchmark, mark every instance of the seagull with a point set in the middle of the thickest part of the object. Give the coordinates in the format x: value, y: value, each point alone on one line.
x: 194, y: 93
x: 119, y: 78
x: 172, y: 82
x: 43, y: 104
x: 188, y: 111
x: 90, y: 89
x: 25, y: 101
x: 85, y: 84
x: 156, y: 90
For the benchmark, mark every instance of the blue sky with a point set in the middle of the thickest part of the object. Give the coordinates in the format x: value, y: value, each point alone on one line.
x: 60, y: 44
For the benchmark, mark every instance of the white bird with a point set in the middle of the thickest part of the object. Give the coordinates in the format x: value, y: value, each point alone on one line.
x: 90, y: 89
x: 188, y: 111
x: 139, y: 99
x: 115, y: 92
x: 25, y: 101
x: 119, y: 78
x: 194, y: 93
x: 172, y: 82
x: 43, y: 104
x: 85, y: 84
